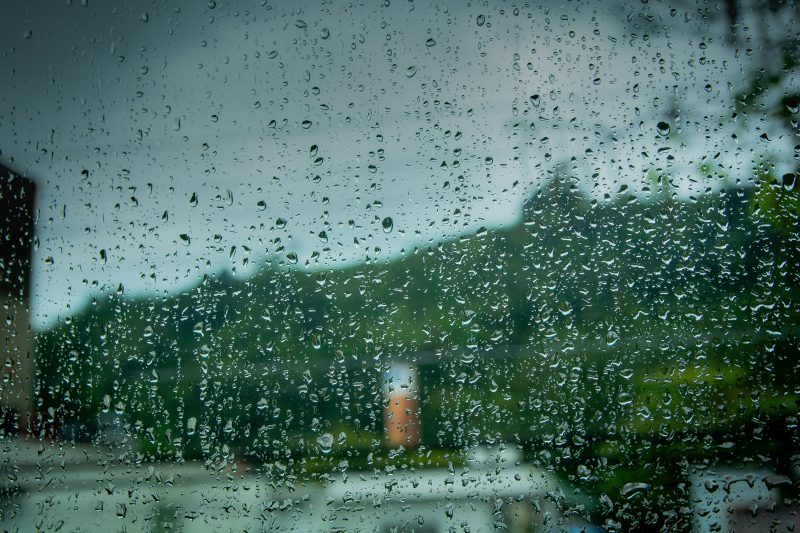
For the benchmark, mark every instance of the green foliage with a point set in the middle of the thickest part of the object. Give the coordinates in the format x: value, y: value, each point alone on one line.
x: 616, y: 338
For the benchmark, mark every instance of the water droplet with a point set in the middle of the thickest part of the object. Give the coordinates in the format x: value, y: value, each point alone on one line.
x: 292, y: 258
x: 632, y: 489
x: 305, y: 124
x: 262, y: 205
x: 789, y: 181
x: 388, y: 224
x: 411, y: 71
x: 777, y: 480
x: 481, y: 20
x: 191, y: 425
x: 373, y: 168
x: 193, y: 200
x: 185, y: 238
x: 280, y: 223
x: 662, y: 128
x: 272, y: 54
x: 300, y: 23
x: 325, y: 33
x: 430, y: 42
x: 611, y: 338
x: 325, y: 443
x: 489, y: 160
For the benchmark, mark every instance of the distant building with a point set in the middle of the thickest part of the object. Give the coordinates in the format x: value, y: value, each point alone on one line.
x: 16, y: 339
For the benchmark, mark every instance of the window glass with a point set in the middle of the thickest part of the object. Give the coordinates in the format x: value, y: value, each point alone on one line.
x: 400, y: 266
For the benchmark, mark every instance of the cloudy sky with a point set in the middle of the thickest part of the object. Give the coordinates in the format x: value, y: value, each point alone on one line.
x: 162, y: 135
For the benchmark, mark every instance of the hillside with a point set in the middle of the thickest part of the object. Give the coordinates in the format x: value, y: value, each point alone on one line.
x: 584, y: 330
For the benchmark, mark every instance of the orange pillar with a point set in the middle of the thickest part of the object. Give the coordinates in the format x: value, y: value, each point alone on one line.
x: 401, y: 413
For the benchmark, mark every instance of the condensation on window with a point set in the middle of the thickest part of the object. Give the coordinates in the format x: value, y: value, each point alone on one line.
x: 400, y: 266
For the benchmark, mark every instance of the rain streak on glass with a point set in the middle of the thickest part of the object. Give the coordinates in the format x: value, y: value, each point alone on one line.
x: 400, y: 266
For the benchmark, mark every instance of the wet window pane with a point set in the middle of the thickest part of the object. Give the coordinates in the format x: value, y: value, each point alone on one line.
x: 400, y: 266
